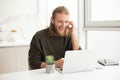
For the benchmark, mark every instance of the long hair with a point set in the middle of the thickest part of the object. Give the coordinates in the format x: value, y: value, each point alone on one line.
x: 52, y: 29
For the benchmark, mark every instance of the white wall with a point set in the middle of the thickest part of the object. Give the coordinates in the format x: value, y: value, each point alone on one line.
x: 26, y: 26
x: 18, y: 7
x: 26, y: 16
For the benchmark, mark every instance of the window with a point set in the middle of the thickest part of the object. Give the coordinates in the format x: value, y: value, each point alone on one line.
x: 102, y: 14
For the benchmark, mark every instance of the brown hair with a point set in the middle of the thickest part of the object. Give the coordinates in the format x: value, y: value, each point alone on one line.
x: 52, y: 29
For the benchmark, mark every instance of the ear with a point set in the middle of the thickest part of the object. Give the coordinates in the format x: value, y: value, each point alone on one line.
x: 52, y: 20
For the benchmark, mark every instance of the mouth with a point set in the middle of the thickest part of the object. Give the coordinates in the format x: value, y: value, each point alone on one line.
x: 61, y: 28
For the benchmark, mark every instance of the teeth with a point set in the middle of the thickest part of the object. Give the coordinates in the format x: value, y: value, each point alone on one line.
x: 61, y: 28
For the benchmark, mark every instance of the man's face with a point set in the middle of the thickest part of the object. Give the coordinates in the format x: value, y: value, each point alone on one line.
x: 61, y: 23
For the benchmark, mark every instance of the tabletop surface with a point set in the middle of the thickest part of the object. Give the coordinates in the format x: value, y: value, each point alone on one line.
x: 106, y: 73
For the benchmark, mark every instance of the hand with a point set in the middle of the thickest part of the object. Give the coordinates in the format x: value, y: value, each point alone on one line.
x: 59, y: 63
x: 72, y: 28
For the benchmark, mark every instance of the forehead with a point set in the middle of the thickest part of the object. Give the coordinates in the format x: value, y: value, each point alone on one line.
x: 62, y: 16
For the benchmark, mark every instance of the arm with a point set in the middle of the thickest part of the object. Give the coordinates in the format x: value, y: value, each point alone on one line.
x: 35, y: 53
x: 43, y: 64
x: 75, y: 43
x: 58, y: 63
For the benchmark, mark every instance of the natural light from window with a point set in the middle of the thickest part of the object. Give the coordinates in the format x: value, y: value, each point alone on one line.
x: 105, y: 10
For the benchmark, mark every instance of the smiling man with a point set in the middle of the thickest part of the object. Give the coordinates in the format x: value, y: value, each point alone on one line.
x: 54, y: 40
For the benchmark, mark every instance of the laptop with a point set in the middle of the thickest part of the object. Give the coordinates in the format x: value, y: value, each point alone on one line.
x: 78, y: 60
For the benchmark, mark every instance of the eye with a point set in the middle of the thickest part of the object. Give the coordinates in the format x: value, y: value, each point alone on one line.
x: 66, y: 21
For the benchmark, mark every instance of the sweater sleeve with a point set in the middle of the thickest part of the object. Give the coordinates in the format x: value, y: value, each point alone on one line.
x: 35, y: 53
x: 70, y: 46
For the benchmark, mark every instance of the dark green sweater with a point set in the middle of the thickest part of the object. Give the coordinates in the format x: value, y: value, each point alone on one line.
x: 42, y: 45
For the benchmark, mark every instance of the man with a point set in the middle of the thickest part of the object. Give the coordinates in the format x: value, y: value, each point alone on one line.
x: 54, y: 40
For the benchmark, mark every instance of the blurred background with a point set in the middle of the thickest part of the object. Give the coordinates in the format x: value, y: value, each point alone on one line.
x: 97, y: 27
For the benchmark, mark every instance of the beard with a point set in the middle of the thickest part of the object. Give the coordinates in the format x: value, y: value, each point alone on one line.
x: 53, y: 31
x: 65, y: 32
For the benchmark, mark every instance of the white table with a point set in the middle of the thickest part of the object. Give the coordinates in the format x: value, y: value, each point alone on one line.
x: 106, y: 73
